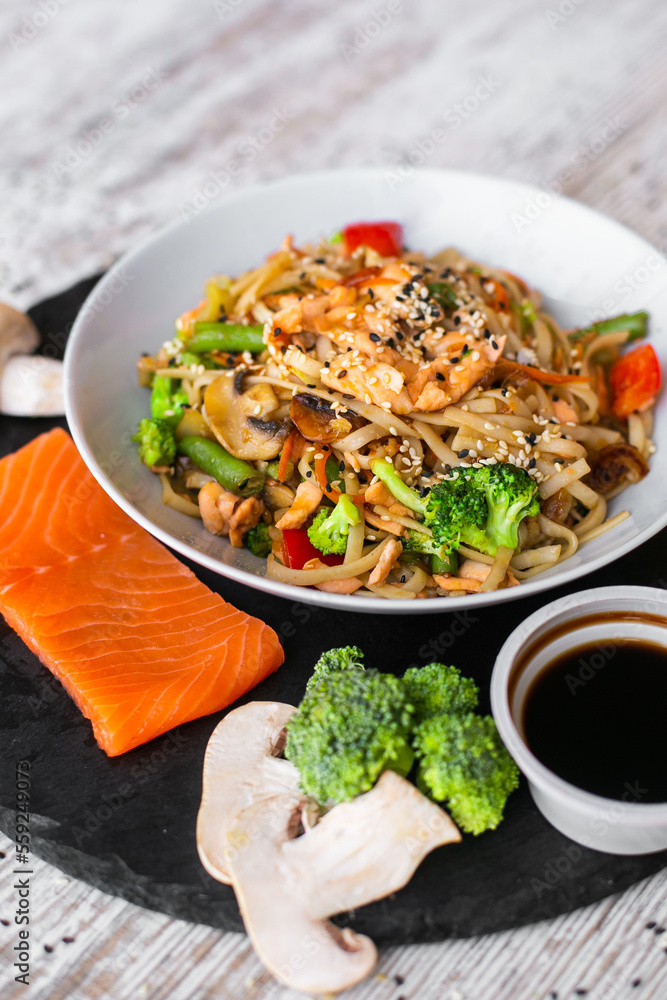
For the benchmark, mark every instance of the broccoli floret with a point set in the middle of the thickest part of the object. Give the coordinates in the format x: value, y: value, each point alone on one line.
x: 464, y: 763
x: 511, y: 495
x: 166, y: 401
x: 352, y: 725
x: 330, y: 529
x: 343, y: 658
x: 258, y: 540
x: 157, y: 445
x: 436, y: 690
x: 456, y: 512
x: 479, y: 507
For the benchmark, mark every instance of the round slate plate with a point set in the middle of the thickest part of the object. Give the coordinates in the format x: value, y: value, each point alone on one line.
x: 127, y: 825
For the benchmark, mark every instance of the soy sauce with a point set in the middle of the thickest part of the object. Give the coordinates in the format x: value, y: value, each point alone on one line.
x: 597, y: 717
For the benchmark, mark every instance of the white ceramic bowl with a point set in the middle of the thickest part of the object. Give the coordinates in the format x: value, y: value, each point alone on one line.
x: 609, y: 825
x: 586, y: 264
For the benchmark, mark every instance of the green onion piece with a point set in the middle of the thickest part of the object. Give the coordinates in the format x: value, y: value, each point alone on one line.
x: 334, y: 474
x: 232, y: 473
x: 232, y: 337
x: 444, y: 293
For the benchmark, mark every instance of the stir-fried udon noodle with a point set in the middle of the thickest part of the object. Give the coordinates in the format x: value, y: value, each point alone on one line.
x: 286, y: 384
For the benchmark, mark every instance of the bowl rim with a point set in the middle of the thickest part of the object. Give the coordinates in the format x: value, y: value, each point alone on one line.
x: 569, y: 795
x: 258, y: 581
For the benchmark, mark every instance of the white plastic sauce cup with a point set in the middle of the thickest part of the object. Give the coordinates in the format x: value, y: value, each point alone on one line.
x: 615, y: 826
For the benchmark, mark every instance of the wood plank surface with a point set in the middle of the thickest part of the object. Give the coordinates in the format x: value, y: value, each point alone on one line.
x: 119, y: 119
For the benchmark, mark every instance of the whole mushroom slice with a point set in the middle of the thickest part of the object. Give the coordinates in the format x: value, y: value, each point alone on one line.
x: 241, y: 767
x: 230, y: 412
x: 288, y: 885
x: 30, y: 386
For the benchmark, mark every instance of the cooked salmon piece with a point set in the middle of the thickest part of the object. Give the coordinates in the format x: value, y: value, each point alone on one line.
x: 139, y: 643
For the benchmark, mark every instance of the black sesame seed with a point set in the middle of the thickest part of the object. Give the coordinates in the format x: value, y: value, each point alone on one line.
x: 48, y: 948
x: 417, y: 336
x: 406, y: 289
x: 341, y: 467
x: 302, y: 275
x: 392, y: 343
x: 399, y: 980
x: 650, y: 925
x: 494, y: 345
x: 555, y: 398
x: 581, y: 993
x: 375, y: 338
x: 283, y: 349
x: 636, y: 983
x: 487, y: 334
x: 328, y: 488
x: 403, y: 578
x: 659, y: 930
x: 371, y: 293
x: 171, y: 363
x: 464, y: 453
x: 553, y: 995
x: 501, y: 305
x: 327, y: 364
x: 503, y: 392
x: 399, y: 336
x: 68, y: 940
x: 448, y: 468
x: 310, y: 386
x: 532, y: 463
x: 440, y: 377
x: 277, y: 331
x: 454, y: 361
x: 423, y: 492
x: 400, y: 298
x: 346, y: 395
x: 319, y: 260
x: 308, y: 474
x: 349, y: 349
x: 457, y: 320
x: 342, y: 373
x: 5, y: 923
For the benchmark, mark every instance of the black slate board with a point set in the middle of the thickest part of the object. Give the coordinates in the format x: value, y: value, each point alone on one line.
x: 126, y: 825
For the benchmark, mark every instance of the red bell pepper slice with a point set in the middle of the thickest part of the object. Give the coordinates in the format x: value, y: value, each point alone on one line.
x: 298, y: 549
x: 386, y: 238
x: 634, y: 380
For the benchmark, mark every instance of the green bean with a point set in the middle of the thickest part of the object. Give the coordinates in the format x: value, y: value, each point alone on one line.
x: 272, y: 470
x: 634, y: 323
x: 232, y: 473
x: 449, y: 565
x: 226, y: 337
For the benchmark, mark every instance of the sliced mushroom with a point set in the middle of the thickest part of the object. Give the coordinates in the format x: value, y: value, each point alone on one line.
x: 318, y: 421
x: 233, y: 421
x: 30, y: 386
x: 288, y: 886
x: 242, y: 766
x: 289, y: 875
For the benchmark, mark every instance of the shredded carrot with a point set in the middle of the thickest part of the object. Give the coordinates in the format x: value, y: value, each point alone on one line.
x: 285, y: 454
x: 506, y: 368
x: 501, y: 298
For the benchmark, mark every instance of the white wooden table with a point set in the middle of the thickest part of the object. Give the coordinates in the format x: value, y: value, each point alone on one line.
x: 115, y: 119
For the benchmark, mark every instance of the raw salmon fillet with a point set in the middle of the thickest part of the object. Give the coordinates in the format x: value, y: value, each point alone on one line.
x: 137, y: 640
